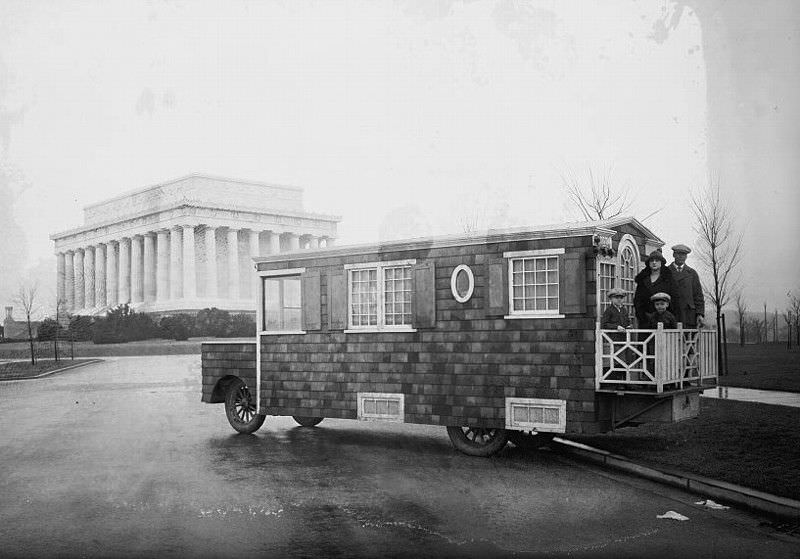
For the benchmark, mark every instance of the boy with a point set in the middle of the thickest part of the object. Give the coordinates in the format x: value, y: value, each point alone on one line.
x: 615, y: 317
x: 662, y: 315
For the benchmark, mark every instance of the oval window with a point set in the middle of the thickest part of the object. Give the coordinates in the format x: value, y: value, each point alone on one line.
x: 462, y: 283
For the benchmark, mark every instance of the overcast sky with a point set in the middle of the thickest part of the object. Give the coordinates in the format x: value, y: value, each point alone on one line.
x: 401, y: 117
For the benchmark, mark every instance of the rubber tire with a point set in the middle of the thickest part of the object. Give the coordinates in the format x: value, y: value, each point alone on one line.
x: 307, y: 421
x: 491, y: 441
x: 530, y: 441
x: 246, y: 420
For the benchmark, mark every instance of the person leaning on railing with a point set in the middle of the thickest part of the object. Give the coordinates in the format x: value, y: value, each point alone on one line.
x: 615, y: 317
x: 654, y: 278
x: 661, y: 315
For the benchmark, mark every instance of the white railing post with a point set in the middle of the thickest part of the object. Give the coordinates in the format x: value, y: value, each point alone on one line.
x: 598, y: 356
x: 660, y: 355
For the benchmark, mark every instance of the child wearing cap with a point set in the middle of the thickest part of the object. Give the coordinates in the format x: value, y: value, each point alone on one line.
x: 615, y: 317
x: 661, y: 314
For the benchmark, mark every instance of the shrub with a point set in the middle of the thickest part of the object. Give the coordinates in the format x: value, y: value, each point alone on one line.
x: 122, y: 324
x: 80, y: 328
x: 242, y: 326
x: 176, y: 327
x: 48, y: 329
x: 212, y: 322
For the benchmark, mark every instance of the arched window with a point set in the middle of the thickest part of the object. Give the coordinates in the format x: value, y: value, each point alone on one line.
x: 628, y: 267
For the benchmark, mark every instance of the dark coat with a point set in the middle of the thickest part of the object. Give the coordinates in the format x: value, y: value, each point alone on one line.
x: 644, y: 290
x: 613, y: 317
x: 667, y: 318
x: 690, y: 293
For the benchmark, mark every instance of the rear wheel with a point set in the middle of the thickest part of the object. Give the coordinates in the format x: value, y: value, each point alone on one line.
x: 530, y: 441
x: 478, y: 441
x: 307, y: 421
x: 240, y: 407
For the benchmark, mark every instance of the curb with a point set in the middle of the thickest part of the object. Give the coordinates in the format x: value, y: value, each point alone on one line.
x: 743, y: 496
x: 48, y: 373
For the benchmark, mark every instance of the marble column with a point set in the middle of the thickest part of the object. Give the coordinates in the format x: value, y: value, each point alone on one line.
x: 274, y: 242
x: 79, y: 286
x: 175, y: 259
x: 60, y: 277
x: 313, y: 242
x: 137, y: 274
x: 189, y: 277
x: 162, y: 266
x: 253, y: 250
x: 69, y: 280
x: 149, y: 275
x: 88, y: 277
x: 112, y: 275
x: 100, y: 275
x: 125, y: 295
x: 293, y: 242
x: 233, y: 264
x: 212, y: 290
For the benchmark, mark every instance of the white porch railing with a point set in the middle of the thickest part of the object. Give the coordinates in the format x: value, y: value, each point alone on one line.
x: 655, y: 360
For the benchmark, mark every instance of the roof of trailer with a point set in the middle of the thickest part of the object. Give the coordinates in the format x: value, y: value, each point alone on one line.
x: 553, y: 231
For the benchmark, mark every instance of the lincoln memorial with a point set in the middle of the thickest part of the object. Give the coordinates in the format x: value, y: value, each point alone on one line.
x: 182, y: 245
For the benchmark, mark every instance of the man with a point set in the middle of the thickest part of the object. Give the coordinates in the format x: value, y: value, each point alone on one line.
x: 691, y: 306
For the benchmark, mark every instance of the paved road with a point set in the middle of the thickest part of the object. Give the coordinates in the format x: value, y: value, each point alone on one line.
x: 122, y: 459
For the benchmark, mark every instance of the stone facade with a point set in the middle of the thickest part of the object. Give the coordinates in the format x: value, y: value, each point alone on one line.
x: 17, y: 329
x: 182, y: 245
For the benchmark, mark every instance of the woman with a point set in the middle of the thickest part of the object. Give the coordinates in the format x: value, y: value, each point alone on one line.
x: 655, y: 278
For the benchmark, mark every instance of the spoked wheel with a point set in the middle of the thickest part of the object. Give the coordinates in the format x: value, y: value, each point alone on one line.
x: 478, y: 441
x: 530, y: 441
x: 240, y: 407
x: 307, y: 421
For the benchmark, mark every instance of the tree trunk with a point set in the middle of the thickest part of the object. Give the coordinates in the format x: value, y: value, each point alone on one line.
x: 30, y: 340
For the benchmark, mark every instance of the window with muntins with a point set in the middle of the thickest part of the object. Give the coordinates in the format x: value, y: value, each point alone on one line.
x: 282, y: 304
x: 607, y: 279
x: 627, y: 273
x: 380, y: 296
x: 534, y: 285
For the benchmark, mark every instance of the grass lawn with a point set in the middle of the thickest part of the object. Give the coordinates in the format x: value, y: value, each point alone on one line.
x: 763, y: 366
x: 754, y: 445
x: 23, y: 369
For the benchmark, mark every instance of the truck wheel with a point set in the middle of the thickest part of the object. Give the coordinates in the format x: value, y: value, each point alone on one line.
x: 477, y: 441
x: 307, y: 421
x: 240, y: 408
x: 530, y: 441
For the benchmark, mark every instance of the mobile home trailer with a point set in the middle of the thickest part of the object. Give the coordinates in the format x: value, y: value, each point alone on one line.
x: 494, y: 336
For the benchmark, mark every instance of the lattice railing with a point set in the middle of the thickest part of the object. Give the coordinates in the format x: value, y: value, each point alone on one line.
x: 655, y: 360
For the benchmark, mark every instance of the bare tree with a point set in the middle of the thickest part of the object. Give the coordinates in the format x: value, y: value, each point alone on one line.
x: 719, y: 246
x: 741, y: 309
x: 26, y: 298
x: 787, y: 317
x: 596, y: 196
x: 756, y: 326
x: 794, y: 312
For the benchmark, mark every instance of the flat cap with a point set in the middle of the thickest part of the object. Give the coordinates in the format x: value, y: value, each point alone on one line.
x: 681, y: 248
x: 661, y: 297
x: 616, y: 292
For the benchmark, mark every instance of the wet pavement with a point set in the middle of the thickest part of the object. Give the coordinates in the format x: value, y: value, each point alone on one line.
x: 773, y: 397
x: 120, y: 459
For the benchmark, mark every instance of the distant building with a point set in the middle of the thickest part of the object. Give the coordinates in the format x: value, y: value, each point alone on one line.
x: 182, y: 245
x: 15, y: 329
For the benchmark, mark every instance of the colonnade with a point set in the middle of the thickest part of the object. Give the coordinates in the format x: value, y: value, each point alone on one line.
x: 169, y: 264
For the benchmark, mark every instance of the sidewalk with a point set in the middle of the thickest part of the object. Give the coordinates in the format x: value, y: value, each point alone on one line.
x: 729, y: 492
x: 773, y: 397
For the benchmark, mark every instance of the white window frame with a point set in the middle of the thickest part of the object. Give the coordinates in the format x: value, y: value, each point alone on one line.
x: 381, y: 326
x: 602, y: 298
x: 627, y: 241
x: 273, y: 274
x: 540, y: 253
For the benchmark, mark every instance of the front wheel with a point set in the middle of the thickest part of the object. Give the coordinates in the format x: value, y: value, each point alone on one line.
x: 478, y: 441
x: 307, y: 421
x: 240, y: 407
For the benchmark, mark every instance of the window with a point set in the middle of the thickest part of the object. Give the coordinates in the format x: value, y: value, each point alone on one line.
x: 627, y: 273
x: 282, y: 304
x: 380, y: 295
x: 607, y: 278
x: 534, y: 283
